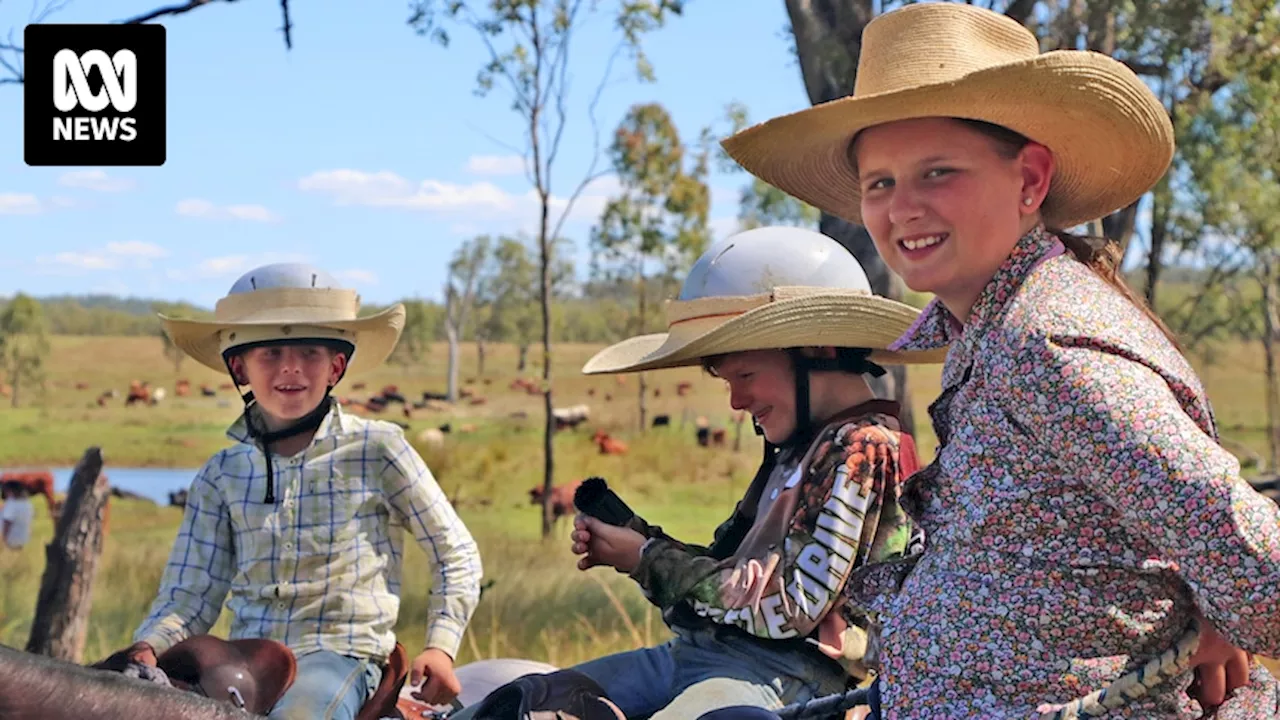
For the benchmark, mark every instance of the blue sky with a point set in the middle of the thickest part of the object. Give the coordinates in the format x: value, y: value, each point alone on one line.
x: 363, y: 150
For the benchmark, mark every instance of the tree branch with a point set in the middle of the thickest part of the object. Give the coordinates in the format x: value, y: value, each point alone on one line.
x: 168, y: 10
x: 591, y: 174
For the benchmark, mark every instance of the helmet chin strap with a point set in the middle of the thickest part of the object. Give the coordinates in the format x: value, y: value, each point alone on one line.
x: 258, y: 431
x: 849, y: 360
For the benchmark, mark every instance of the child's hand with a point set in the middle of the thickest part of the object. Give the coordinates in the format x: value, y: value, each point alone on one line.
x: 605, y: 544
x: 1220, y: 667
x: 434, y: 669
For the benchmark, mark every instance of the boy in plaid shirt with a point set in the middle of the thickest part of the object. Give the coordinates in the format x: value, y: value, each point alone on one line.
x: 299, y: 524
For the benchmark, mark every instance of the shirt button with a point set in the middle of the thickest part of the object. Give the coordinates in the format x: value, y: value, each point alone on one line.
x: 288, y: 546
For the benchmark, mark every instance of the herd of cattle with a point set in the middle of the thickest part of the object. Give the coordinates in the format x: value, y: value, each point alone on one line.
x: 384, y: 403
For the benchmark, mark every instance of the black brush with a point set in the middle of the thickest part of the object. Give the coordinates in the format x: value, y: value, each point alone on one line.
x: 594, y: 498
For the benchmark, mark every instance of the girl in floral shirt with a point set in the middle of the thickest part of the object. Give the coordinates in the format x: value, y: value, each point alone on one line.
x: 1080, y: 516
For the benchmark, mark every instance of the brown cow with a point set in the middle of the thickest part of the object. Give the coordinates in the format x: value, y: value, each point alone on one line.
x: 608, y: 445
x: 561, y: 498
x: 37, y: 482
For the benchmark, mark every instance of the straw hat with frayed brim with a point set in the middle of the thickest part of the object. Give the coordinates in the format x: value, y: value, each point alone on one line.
x: 273, y: 314
x: 784, y: 318
x: 1110, y: 136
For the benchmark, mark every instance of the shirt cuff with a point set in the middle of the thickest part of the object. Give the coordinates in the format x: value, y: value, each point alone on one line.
x: 445, y: 634
x: 158, y: 639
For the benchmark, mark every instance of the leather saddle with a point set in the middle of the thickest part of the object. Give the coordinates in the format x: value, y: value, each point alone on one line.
x: 251, y: 674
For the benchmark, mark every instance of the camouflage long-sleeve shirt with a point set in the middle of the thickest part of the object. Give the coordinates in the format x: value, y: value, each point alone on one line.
x: 779, y: 565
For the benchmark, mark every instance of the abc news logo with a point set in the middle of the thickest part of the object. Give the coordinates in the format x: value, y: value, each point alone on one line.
x: 95, y: 95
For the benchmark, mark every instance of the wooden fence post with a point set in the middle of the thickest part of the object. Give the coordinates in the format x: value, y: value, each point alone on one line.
x: 71, y: 563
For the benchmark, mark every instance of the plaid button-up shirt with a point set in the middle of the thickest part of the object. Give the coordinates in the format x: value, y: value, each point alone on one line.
x: 320, y: 568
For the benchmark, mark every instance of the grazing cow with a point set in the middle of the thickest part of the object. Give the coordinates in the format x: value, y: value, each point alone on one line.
x: 428, y: 396
x: 607, y: 444
x: 717, y: 437
x: 207, y: 391
x: 359, y: 386
x: 478, y: 400
x: 139, y: 392
x: 683, y: 388
x: 35, y: 482
x: 561, y: 498
x: 107, y: 395
x: 432, y: 438
x: 661, y: 420
x: 570, y: 417
x: 391, y: 394
x: 178, y: 498
x: 591, y: 392
x: 183, y: 388
x: 157, y: 395
x: 82, y: 386
x: 529, y: 385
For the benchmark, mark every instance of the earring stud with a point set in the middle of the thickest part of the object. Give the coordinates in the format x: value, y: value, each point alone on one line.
x: 1026, y: 201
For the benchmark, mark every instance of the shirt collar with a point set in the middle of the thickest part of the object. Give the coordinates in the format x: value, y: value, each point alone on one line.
x: 937, y: 327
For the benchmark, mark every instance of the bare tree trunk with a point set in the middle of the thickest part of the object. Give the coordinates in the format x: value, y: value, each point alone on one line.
x: 644, y: 384
x: 451, y: 332
x: 1271, y: 326
x: 549, y: 427
x: 66, y: 590
x: 14, y: 378
x: 479, y: 356
x: 523, y: 361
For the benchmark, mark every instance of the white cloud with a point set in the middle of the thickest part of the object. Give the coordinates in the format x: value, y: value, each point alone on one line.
x: 96, y: 180
x: 113, y: 256
x: 82, y: 261
x: 386, y: 189
x: 356, y: 276
x: 136, y: 248
x: 485, y: 206
x: 19, y: 204
x: 196, y: 207
x: 227, y: 265
x: 495, y: 165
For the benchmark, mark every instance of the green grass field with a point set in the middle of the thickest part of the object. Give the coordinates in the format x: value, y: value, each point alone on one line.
x: 539, y: 606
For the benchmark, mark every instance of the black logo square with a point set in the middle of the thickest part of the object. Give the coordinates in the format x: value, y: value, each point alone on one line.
x: 94, y: 95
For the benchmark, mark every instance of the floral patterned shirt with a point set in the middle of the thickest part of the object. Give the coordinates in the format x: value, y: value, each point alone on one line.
x: 1078, y: 511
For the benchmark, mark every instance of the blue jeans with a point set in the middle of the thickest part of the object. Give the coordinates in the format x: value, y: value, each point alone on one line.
x: 703, y: 670
x: 328, y: 686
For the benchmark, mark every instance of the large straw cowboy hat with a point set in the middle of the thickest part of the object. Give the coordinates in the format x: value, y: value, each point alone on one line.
x: 288, y: 302
x: 770, y: 288
x: 1110, y: 136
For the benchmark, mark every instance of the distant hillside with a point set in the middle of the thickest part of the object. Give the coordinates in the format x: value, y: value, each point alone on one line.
x: 102, y: 314
x: 129, y: 305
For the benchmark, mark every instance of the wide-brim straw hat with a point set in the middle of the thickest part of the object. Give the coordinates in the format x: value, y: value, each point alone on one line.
x: 785, y: 317
x: 287, y: 313
x: 1110, y: 136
